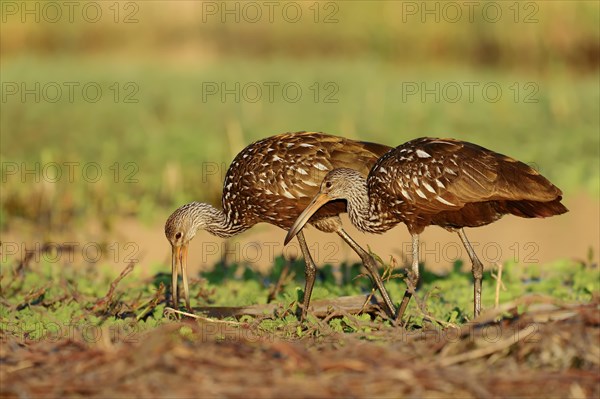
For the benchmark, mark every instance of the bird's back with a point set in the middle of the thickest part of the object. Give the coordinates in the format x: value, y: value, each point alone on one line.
x: 274, y: 179
x: 454, y: 184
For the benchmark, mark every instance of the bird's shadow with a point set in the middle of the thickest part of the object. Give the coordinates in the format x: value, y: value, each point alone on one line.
x: 161, y: 278
x: 346, y: 274
x: 428, y: 277
x: 222, y: 273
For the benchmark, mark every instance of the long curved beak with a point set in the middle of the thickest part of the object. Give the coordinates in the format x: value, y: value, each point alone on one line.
x: 318, y: 201
x: 179, y: 260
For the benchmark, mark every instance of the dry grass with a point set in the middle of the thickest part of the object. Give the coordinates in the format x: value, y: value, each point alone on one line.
x: 548, y: 351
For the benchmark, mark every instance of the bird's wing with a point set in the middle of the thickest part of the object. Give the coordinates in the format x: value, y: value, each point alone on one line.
x: 436, y: 175
x: 281, y: 174
x: 293, y: 165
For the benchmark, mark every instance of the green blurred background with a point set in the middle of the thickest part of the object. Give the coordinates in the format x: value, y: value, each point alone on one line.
x: 518, y: 77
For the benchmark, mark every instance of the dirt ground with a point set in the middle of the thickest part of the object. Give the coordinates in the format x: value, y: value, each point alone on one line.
x: 548, y: 352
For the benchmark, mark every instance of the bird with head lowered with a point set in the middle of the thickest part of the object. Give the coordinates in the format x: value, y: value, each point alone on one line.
x: 444, y: 182
x: 273, y: 181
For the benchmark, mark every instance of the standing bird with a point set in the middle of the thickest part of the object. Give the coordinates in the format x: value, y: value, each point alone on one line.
x: 444, y: 182
x: 272, y: 181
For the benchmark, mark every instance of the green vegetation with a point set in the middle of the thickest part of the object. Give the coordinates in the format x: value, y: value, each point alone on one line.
x: 41, y: 297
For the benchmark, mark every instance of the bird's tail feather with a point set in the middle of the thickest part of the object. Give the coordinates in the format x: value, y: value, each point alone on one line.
x: 535, y: 209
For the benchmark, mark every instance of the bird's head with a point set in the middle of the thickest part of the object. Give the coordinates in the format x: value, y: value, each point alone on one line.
x: 337, y: 184
x: 180, y: 228
x: 183, y: 224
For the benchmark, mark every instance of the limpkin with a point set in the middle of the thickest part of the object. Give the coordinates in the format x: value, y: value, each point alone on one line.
x: 444, y: 182
x: 272, y: 181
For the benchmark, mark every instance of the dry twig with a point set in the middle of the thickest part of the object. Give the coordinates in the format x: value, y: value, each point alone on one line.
x: 108, y: 297
x: 499, y: 284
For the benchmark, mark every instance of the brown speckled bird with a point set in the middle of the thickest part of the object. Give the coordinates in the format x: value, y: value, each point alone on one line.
x: 272, y: 181
x: 444, y: 182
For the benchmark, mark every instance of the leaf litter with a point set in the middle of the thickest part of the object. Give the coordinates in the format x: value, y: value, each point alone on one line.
x: 533, y: 346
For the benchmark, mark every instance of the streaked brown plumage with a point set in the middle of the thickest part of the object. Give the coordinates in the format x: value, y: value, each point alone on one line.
x: 444, y: 182
x: 273, y: 181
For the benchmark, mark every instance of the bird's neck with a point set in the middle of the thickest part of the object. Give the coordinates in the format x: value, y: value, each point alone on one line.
x: 365, y: 211
x: 224, y: 224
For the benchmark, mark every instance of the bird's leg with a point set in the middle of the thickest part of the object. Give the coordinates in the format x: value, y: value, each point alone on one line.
x: 413, y: 277
x: 310, y: 271
x: 371, y: 266
x: 477, y: 269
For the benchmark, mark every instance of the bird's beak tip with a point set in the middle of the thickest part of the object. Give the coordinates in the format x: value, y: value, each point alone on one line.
x: 318, y: 201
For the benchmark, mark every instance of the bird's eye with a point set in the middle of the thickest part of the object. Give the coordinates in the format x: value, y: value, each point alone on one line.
x: 178, y: 235
x: 328, y: 184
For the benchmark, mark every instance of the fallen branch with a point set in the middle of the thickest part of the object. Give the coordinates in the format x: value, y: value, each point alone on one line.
x: 319, y: 308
